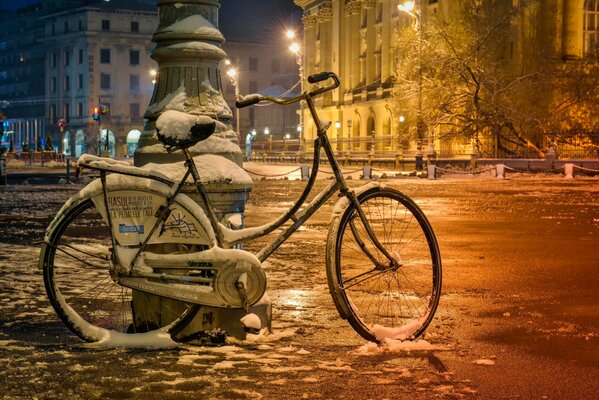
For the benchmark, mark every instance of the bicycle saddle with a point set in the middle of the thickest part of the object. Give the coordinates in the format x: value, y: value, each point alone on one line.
x: 181, y: 130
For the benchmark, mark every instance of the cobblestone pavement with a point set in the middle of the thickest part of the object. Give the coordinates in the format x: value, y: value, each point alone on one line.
x: 518, y: 314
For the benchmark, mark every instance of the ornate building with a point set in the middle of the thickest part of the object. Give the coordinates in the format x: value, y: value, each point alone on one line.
x: 59, y: 59
x: 357, y: 39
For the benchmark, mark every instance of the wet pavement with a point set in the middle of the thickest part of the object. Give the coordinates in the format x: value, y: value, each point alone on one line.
x: 519, y: 315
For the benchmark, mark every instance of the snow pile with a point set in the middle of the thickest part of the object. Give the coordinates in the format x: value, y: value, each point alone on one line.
x: 150, y: 340
x: 399, y: 333
x: 398, y: 346
x: 251, y: 321
x: 177, y: 125
x: 484, y: 361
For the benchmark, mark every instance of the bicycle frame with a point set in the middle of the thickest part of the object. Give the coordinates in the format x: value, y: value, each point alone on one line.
x: 293, y: 213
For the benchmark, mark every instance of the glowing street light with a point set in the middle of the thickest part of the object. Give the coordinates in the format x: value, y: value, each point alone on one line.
x: 153, y: 74
x: 295, y: 48
x: 407, y: 7
x: 290, y: 34
x: 266, y: 131
x: 232, y: 74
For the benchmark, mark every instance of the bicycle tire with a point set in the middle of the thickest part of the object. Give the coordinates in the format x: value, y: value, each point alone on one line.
x: 75, y: 263
x: 397, y: 303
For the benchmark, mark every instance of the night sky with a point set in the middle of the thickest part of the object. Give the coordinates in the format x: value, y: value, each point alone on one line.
x: 239, y: 19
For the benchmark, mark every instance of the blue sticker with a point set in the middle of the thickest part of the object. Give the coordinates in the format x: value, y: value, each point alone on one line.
x: 131, y: 228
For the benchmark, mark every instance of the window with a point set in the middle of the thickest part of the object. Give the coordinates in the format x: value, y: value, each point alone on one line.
x: 134, y: 26
x: 105, y: 81
x: 134, y: 82
x: 134, y: 110
x: 52, y: 113
x: 67, y: 83
x: 80, y: 82
x: 53, y: 29
x: 80, y: 57
x: 134, y: 57
x: 591, y: 28
x: 104, y: 56
x: 80, y: 26
x: 53, y: 84
x: 253, y: 87
x: 105, y: 25
x: 67, y: 58
x: 66, y: 27
x: 67, y: 111
x: 53, y: 59
x: 253, y: 64
x: 275, y: 66
x: 80, y: 109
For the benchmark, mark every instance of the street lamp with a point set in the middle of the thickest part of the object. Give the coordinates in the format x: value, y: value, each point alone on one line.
x: 409, y: 7
x: 232, y: 73
x: 338, y: 127
x: 296, y: 49
x: 153, y: 74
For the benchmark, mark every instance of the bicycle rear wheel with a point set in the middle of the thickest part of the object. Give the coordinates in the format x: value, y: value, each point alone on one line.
x: 380, y: 300
x: 83, y: 290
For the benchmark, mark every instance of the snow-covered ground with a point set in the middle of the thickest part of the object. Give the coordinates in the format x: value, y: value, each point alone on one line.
x: 517, y: 318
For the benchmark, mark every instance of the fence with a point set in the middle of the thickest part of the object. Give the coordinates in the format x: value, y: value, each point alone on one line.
x: 389, y: 148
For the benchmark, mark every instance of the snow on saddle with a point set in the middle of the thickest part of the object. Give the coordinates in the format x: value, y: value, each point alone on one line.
x: 181, y: 130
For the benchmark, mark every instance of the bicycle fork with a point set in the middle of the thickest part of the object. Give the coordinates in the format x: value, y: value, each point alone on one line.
x: 323, y: 141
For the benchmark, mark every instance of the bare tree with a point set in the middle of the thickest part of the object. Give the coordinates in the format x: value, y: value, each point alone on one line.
x: 468, y: 88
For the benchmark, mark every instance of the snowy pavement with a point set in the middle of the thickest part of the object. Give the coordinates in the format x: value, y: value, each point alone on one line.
x: 517, y: 319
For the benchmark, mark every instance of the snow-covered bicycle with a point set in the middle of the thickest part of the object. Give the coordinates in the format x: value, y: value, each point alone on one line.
x: 131, y: 253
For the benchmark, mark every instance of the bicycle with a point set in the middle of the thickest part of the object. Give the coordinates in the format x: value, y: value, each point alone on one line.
x: 151, y: 244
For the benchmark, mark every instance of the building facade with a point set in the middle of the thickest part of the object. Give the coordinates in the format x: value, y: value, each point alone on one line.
x: 61, y: 59
x: 78, y: 54
x: 267, y: 68
x: 357, y: 40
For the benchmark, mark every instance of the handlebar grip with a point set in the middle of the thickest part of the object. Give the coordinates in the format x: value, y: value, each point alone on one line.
x: 319, y: 77
x: 247, y: 101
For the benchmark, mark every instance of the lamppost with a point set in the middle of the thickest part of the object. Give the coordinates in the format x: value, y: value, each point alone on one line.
x: 296, y: 49
x: 232, y: 73
x: 409, y: 7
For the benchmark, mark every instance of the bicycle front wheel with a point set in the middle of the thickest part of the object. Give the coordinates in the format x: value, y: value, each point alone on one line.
x: 84, y: 291
x: 381, y: 299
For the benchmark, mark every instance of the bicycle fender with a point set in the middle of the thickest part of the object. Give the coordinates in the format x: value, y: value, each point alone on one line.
x: 134, y: 205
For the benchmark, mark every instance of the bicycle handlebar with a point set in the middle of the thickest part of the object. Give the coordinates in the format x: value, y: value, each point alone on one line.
x: 319, y: 77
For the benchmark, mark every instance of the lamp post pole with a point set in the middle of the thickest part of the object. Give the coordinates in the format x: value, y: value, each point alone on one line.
x: 409, y: 7
x: 233, y: 74
x: 299, y: 60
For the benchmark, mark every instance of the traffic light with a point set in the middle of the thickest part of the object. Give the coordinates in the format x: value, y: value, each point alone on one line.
x: 96, y: 114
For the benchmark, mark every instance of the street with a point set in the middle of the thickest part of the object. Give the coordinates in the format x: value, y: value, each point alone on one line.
x: 518, y: 318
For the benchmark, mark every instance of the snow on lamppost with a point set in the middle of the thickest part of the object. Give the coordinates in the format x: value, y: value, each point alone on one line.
x: 188, y: 88
x: 187, y: 79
